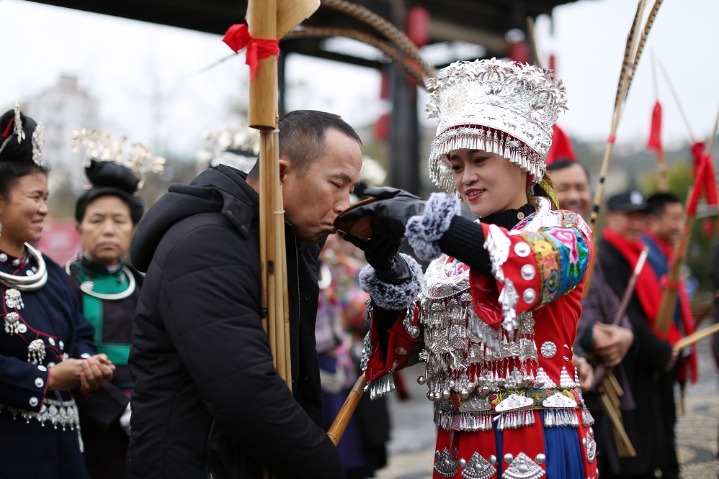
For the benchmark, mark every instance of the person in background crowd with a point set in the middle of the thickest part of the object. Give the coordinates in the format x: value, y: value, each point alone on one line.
x: 341, y: 309
x: 714, y: 275
x: 607, y: 343
x: 498, y: 306
x: 47, y: 356
x: 664, y: 229
x: 108, y: 289
x: 618, y: 254
x: 207, y: 400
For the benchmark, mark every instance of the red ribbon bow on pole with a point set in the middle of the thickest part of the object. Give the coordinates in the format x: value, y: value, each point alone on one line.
x: 238, y: 37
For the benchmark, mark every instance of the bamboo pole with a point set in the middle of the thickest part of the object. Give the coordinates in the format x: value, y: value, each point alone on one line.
x: 265, y: 18
x: 531, y: 38
x: 678, y: 103
x: 629, y: 61
x: 624, y: 444
x: 695, y: 337
x: 670, y: 293
x: 343, y: 417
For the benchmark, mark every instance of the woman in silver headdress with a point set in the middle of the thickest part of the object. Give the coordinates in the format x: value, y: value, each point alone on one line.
x: 46, y: 349
x: 108, y: 289
x: 494, y: 316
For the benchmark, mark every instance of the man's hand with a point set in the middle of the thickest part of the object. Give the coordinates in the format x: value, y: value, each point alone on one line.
x: 610, y: 342
x: 584, y: 371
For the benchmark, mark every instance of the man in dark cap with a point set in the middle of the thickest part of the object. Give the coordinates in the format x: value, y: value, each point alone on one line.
x: 619, y: 251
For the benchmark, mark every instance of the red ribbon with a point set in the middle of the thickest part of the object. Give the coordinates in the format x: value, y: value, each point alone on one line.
x: 8, y: 128
x: 238, y: 37
x: 668, y: 284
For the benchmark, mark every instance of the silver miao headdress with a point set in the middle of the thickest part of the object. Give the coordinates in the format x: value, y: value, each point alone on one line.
x: 503, y: 107
x: 100, y: 146
x: 235, y: 146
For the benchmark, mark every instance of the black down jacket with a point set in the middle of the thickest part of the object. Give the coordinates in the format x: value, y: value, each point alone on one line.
x: 207, y: 401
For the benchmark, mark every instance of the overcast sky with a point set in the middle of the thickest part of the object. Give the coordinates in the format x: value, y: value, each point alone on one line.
x: 141, y: 72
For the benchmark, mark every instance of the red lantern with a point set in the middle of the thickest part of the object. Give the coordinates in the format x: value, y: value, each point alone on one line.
x: 518, y: 51
x: 418, y: 25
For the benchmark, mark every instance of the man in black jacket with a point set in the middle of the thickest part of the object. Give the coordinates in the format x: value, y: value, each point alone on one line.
x: 207, y: 401
x: 618, y: 252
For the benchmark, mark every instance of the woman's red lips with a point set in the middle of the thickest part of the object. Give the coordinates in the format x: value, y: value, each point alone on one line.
x: 473, y: 194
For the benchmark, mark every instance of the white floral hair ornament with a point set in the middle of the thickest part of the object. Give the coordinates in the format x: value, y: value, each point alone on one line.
x: 503, y: 107
x: 100, y: 146
x: 237, y: 147
x: 38, y: 143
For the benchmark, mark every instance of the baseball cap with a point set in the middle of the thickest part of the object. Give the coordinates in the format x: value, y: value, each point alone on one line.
x: 627, y: 202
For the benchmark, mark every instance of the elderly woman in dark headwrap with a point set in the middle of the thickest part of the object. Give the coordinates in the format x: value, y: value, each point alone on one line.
x: 46, y: 348
x: 108, y: 289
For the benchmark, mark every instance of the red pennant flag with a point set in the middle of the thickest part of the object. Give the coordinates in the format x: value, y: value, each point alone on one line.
x: 704, y: 174
x: 655, y: 132
x: 561, y: 147
x: 710, y: 183
x: 704, y: 178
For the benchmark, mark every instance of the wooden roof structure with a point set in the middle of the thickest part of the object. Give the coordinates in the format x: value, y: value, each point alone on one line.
x: 482, y: 22
x: 453, y: 25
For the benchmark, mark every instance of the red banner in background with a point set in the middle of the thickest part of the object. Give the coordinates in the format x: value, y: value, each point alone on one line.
x: 60, y: 240
x: 561, y: 147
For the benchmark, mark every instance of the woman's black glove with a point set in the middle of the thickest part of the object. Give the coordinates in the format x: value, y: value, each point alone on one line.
x: 390, y: 215
x: 382, y: 253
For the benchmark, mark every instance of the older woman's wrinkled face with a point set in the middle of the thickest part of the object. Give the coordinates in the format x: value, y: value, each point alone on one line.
x: 106, y: 229
x: 487, y: 182
x: 23, y: 212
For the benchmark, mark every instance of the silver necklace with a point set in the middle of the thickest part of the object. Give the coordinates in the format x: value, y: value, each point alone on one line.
x: 27, y: 283
x: 86, y: 287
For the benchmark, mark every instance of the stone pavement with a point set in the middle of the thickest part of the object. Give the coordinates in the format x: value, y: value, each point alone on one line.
x: 412, y: 445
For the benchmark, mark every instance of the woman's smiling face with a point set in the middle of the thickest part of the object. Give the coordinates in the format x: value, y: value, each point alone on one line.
x: 487, y: 182
x: 23, y: 212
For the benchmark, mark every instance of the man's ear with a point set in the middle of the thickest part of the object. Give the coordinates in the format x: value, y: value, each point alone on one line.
x: 285, y: 168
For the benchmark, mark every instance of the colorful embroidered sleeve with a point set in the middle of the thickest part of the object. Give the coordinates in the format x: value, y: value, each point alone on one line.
x: 545, y: 256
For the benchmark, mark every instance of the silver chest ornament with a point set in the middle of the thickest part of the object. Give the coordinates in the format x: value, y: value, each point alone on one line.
x: 463, y: 353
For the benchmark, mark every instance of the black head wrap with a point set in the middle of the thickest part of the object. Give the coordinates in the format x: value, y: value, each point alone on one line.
x: 111, y: 178
x: 11, y: 148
